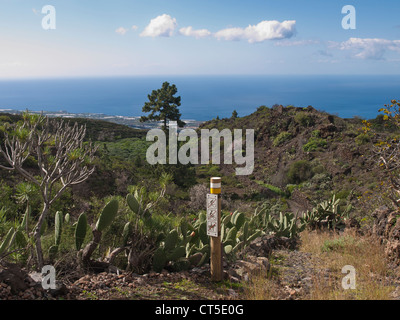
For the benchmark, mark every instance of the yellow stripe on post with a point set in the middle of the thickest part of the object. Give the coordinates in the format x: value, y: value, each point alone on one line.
x: 215, y: 185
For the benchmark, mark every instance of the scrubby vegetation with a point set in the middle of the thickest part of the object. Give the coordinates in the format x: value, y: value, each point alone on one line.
x: 313, y: 171
x: 282, y: 138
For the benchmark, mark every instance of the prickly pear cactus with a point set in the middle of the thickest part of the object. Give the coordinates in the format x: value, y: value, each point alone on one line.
x: 171, y: 240
x: 126, y: 233
x: 176, y: 253
x: 80, y: 231
x: 67, y: 218
x: 238, y: 219
x: 133, y: 203
x: 107, y: 215
x: 159, y: 259
x: 172, y: 249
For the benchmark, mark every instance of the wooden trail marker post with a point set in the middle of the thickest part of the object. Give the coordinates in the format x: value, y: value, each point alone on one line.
x: 214, y: 228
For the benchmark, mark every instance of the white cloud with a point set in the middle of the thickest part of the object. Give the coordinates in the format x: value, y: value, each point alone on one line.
x: 265, y: 30
x: 231, y: 34
x: 121, y: 31
x: 165, y: 26
x: 189, y: 32
x: 370, y: 48
x: 161, y: 26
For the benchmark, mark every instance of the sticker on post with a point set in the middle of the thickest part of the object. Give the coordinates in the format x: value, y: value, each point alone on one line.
x: 212, y: 215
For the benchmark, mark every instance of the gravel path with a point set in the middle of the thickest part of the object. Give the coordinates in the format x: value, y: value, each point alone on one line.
x: 291, y: 277
x: 294, y: 273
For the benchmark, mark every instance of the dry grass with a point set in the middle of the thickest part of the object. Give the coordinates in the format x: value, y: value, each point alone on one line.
x: 335, y: 251
x: 331, y: 252
x: 262, y: 286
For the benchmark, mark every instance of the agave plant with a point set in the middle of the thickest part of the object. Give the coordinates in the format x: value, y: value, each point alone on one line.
x: 328, y: 212
x: 17, y: 235
x: 141, y: 201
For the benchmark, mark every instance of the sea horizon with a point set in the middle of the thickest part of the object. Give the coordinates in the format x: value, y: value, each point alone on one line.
x: 204, y: 97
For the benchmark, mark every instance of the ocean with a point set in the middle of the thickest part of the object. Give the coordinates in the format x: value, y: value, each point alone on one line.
x: 205, y: 97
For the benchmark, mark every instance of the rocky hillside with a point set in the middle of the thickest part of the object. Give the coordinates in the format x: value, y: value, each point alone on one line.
x: 302, y: 155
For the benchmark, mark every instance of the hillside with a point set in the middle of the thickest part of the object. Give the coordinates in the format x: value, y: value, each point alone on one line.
x: 283, y: 224
x: 303, y: 155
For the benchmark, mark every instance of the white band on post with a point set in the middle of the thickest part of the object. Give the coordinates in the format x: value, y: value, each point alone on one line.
x: 215, y: 185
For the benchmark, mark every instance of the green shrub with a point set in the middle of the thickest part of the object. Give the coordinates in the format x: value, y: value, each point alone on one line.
x: 314, y: 144
x: 318, y: 169
x: 276, y: 190
x: 262, y: 108
x: 291, y: 187
x: 5, y: 119
x: 304, y: 119
x: 282, y: 138
x: 299, y: 171
x: 213, y: 171
x: 343, y: 194
x: 126, y: 149
x: 362, y: 139
x: 338, y: 244
x: 316, y: 133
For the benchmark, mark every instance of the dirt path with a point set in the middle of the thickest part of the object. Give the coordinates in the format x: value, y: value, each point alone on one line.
x: 152, y: 286
x: 292, y: 272
x: 294, y: 269
x: 292, y: 275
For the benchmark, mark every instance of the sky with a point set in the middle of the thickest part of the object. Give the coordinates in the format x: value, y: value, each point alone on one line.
x: 205, y: 37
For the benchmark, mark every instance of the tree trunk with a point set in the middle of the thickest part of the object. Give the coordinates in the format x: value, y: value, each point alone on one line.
x: 37, y: 236
x: 90, y: 247
x: 115, y: 253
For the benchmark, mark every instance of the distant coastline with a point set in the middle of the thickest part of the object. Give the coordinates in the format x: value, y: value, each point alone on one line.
x: 133, y: 122
x: 204, y: 97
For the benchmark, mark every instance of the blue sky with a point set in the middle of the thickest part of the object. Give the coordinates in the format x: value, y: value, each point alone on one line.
x: 185, y: 37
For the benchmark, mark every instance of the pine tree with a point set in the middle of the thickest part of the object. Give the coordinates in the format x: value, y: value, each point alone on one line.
x: 163, y: 106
